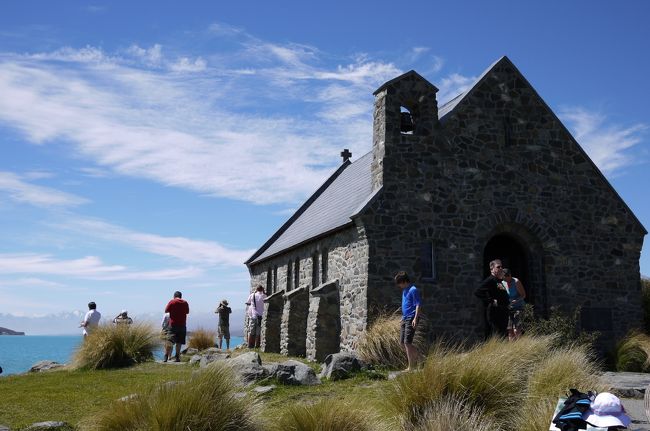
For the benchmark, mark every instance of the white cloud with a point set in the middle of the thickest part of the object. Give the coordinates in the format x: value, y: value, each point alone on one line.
x: 88, y: 267
x: 193, y: 251
x: 453, y: 85
x: 184, y: 64
x: 607, y: 144
x: 21, y: 191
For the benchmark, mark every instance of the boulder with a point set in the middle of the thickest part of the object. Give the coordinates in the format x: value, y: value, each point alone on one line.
x: 339, y: 366
x: 195, y: 359
x: 41, y: 366
x: 208, y: 358
x: 263, y: 389
x: 4, y: 428
x: 295, y: 373
x: 49, y: 426
x: 191, y: 351
x: 248, y: 366
x: 271, y: 368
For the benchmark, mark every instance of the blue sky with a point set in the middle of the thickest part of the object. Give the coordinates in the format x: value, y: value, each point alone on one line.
x: 152, y: 146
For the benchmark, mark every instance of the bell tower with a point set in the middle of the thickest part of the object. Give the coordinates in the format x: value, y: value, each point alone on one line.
x: 405, y: 114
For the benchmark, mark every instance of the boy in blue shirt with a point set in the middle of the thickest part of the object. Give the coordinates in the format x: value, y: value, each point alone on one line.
x: 410, y: 316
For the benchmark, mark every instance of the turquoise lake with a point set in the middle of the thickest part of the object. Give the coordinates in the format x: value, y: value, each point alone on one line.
x: 19, y: 353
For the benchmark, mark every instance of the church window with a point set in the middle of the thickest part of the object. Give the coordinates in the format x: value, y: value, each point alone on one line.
x: 315, y: 275
x: 275, y: 278
x: 269, y: 282
x: 289, y: 277
x: 427, y: 261
x: 296, y: 274
x: 407, y: 124
x: 324, y: 265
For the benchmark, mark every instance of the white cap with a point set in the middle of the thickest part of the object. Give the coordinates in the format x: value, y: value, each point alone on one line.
x: 124, y: 312
x: 606, y: 411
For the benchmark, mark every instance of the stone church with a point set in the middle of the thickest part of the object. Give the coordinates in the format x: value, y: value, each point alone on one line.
x: 493, y: 173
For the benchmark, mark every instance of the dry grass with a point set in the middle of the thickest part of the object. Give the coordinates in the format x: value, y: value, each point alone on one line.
x: 633, y: 353
x: 328, y: 415
x: 205, y: 402
x: 202, y: 339
x: 380, y: 345
x: 496, y: 380
x: 115, y: 346
x: 452, y: 414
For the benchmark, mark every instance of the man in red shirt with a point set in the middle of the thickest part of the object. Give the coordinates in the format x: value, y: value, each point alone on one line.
x: 178, y: 310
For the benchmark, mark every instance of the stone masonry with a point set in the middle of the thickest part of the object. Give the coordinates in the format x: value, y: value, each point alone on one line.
x: 491, y: 174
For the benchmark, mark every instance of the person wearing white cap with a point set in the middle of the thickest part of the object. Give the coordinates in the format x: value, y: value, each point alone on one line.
x: 606, y: 411
x: 123, y: 318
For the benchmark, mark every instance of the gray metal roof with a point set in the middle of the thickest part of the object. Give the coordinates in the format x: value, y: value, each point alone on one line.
x: 331, y: 208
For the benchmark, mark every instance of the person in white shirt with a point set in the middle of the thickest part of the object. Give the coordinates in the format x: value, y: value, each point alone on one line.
x: 255, y: 305
x: 91, y: 320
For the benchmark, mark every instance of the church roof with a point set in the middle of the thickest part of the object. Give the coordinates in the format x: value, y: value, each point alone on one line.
x: 327, y: 210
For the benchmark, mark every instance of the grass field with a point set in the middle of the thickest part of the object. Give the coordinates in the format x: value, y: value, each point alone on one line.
x: 71, y: 396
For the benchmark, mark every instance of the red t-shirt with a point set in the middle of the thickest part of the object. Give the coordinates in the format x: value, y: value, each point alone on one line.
x: 178, y: 310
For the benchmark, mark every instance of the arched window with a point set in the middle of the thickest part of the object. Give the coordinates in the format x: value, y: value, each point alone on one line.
x: 407, y: 123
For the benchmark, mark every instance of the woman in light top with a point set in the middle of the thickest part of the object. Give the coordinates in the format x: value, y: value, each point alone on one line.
x: 517, y: 295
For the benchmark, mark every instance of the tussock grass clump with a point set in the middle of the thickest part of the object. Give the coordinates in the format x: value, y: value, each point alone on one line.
x: 328, y: 415
x: 452, y: 414
x: 201, y: 339
x: 380, y: 344
x: 495, y: 380
x: 115, y: 346
x: 633, y: 353
x: 205, y: 402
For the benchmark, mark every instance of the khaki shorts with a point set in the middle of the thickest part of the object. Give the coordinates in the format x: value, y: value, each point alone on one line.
x: 223, y: 332
x: 255, y: 327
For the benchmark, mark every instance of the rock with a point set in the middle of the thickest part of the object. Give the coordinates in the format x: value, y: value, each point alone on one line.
x: 295, y: 373
x: 41, y: 366
x: 128, y: 398
x: 4, y: 428
x: 627, y: 385
x: 340, y: 366
x: 210, y: 350
x: 395, y: 374
x: 248, y: 366
x: 191, y: 351
x: 209, y: 358
x: 195, y: 359
x: 263, y: 389
x: 49, y: 426
x: 271, y: 368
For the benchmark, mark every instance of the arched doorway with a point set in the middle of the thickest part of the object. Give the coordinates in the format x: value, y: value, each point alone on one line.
x: 514, y: 255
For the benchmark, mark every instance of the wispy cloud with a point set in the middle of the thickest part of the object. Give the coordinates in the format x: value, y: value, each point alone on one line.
x: 17, y: 189
x: 88, y: 267
x: 608, y: 144
x: 192, y: 251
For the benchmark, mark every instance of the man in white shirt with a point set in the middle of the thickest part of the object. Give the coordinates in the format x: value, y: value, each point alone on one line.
x: 91, y: 320
x: 255, y: 305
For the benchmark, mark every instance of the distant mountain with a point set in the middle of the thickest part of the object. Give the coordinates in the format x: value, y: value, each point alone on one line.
x: 7, y: 331
x: 67, y: 323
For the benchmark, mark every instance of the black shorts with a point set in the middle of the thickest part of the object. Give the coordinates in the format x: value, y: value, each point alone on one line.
x: 406, y: 332
x: 177, y: 334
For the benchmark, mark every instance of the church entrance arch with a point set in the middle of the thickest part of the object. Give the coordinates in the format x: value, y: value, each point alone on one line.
x: 521, y: 252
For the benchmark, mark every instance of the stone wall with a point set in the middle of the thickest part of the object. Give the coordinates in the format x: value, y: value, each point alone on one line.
x: 346, y: 255
x: 324, y: 329
x: 500, y: 164
x: 293, y: 327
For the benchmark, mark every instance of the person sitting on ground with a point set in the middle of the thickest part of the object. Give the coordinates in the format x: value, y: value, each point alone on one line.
x: 123, y: 318
x: 517, y: 295
x: 91, y: 319
x: 223, y: 328
x: 255, y: 305
x: 410, y: 317
x: 495, y: 299
x: 178, y: 310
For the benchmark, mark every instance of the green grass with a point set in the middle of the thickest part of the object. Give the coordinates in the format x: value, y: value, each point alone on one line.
x: 71, y: 395
x: 633, y: 353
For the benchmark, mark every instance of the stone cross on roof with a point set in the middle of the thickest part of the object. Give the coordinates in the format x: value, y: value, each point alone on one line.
x: 346, y: 154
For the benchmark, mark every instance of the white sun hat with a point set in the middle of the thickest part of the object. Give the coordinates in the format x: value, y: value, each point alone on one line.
x: 606, y: 411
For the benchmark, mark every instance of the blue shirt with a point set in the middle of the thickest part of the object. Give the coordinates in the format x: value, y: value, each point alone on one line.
x: 410, y: 300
